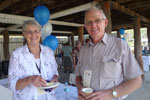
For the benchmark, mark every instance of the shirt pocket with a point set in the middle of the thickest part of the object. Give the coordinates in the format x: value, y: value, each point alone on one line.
x: 111, y: 67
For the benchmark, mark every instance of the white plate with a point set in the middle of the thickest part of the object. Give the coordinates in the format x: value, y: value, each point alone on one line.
x: 51, y: 86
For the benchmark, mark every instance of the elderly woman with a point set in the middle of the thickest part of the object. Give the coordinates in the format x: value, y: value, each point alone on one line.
x: 31, y: 65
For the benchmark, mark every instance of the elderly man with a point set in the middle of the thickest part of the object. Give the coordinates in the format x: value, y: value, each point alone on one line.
x: 106, y: 63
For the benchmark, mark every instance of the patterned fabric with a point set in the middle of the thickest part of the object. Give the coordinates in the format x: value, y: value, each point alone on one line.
x: 22, y: 64
x: 110, y: 61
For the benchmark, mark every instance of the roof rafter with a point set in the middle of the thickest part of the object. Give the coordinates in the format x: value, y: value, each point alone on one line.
x: 117, y: 6
x: 73, y: 10
x: 7, y: 3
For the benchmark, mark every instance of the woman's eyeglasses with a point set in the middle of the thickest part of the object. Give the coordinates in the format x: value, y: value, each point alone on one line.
x: 31, y: 32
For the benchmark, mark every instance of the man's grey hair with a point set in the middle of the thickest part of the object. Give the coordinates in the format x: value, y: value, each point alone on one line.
x: 95, y: 8
x: 30, y: 22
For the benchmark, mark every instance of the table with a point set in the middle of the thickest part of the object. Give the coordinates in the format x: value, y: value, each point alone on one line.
x: 146, y: 62
x: 60, y: 94
x: 59, y: 91
x: 5, y: 93
x: 4, y: 82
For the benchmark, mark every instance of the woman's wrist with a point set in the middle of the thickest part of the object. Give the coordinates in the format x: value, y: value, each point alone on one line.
x: 55, y: 78
x: 29, y: 79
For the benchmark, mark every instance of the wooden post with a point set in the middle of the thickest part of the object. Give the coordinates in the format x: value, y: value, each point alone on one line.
x: 148, y: 34
x: 80, y: 33
x: 72, y: 39
x: 6, y: 44
x: 107, y: 10
x: 69, y: 40
x: 137, y: 41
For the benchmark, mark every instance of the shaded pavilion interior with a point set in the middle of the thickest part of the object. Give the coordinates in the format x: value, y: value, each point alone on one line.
x: 67, y: 17
x: 122, y: 12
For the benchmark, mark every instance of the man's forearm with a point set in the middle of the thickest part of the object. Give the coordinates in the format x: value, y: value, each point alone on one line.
x: 128, y: 87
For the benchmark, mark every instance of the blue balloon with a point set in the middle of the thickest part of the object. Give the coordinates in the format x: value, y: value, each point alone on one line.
x: 41, y: 14
x: 51, y: 41
x: 123, y: 39
x: 121, y: 31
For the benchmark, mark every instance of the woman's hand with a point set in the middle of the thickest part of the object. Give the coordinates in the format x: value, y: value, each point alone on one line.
x: 37, y: 81
x: 55, y: 78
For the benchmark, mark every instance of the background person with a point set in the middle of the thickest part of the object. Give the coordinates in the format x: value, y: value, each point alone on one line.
x: 145, y: 52
x: 31, y: 65
x: 67, y: 60
x: 106, y: 64
x: 75, y: 53
x: 87, y: 40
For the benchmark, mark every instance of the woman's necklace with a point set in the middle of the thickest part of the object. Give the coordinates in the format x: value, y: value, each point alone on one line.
x: 37, y: 55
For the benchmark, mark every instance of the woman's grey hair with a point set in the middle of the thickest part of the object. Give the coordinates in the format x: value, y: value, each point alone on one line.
x: 30, y: 22
x: 95, y: 8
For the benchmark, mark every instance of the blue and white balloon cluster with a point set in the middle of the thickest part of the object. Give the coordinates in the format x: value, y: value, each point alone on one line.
x: 42, y: 15
x: 122, y: 31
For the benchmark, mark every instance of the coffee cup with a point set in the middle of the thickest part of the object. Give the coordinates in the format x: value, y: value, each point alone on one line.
x: 87, y: 90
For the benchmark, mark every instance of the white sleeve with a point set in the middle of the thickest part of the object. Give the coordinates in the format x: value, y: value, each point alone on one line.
x: 13, y: 74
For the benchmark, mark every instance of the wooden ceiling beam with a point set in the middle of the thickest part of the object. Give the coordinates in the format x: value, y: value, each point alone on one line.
x: 33, y: 4
x: 122, y: 1
x: 16, y: 19
x: 135, y: 3
x: 23, y: 7
x: 126, y: 26
x: 72, y: 17
x: 73, y: 10
x: 20, y: 30
x: 117, y: 6
x: 13, y: 27
x: 65, y: 23
x: 117, y: 27
x: 7, y: 3
x: 66, y: 4
x: 141, y: 9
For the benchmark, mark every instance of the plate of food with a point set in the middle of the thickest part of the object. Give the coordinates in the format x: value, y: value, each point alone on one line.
x: 50, y: 85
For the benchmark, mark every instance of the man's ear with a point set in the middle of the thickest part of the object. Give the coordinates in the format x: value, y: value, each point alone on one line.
x: 106, y: 22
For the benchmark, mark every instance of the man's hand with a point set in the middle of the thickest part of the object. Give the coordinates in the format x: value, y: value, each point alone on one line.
x: 81, y: 95
x: 100, y: 95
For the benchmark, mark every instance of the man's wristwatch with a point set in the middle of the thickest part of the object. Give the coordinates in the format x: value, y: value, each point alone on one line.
x: 114, y: 93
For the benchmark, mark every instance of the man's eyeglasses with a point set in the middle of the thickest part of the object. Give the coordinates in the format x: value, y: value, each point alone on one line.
x: 97, y: 21
x: 31, y: 32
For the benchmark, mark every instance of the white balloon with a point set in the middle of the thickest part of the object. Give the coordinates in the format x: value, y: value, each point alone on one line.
x: 46, y: 30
